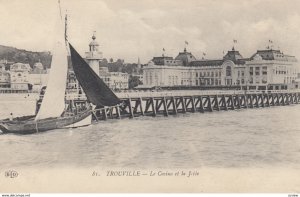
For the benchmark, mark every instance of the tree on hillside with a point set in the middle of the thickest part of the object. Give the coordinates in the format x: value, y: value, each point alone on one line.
x: 134, y: 81
x: 116, y: 66
x: 129, y: 68
x: 103, y: 63
x: 23, y: 56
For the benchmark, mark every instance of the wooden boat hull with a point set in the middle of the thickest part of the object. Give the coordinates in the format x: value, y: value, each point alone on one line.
x: 31, y: 126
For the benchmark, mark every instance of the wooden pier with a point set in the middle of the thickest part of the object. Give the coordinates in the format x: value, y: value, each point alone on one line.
x: 165, y: 104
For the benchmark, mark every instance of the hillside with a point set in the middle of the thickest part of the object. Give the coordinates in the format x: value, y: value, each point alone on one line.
x: 19, y: 55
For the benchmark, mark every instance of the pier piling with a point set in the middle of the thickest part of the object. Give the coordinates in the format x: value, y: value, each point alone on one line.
x: 166, y: 105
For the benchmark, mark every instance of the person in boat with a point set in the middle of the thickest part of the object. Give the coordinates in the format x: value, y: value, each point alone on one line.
x: 84, y: 107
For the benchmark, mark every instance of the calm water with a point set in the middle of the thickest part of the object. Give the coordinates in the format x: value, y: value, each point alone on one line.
x: 245, y: 138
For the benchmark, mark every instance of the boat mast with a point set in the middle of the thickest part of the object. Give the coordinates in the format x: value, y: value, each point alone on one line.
x: 66, y: 26
x: 59, y: 9
x: 66, y: 33
x: 53, y: 104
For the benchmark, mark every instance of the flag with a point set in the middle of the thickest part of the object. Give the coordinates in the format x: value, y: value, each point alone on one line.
x: 234, y: 41
x: 186, y: 42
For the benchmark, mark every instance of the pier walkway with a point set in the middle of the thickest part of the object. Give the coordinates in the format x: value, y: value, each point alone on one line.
x: 136, y: 104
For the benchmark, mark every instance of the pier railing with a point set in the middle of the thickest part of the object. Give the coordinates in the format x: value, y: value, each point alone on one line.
x: 195, y: 92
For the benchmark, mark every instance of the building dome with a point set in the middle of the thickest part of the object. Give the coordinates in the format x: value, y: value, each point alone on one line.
x: 257, y: 57
x: 38, y: 65
x: 233, y: 55
x: 20, y: 67
x: 94, y: 42
x: 150, y: 63
x: 185, y: 57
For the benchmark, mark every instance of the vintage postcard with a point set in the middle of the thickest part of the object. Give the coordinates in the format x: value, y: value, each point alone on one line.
x: 111, y: 96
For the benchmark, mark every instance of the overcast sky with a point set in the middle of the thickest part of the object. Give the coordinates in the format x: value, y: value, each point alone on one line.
x: 129, y: 29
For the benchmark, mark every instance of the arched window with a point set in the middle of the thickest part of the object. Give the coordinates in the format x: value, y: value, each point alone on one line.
x: 228, y: 71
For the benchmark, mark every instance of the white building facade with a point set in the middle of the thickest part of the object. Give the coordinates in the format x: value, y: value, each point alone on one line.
x: 114, y: 80
x: 19, y: 73
x: 266, y: 69
x: 38, y: 77
x: 4, y: 77
x: 119, y: 80
x: 163, y: 71
x: 272, y: 68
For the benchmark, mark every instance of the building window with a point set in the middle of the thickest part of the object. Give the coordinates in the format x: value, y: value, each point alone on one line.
x: 257, y: 80
x: 264, y: 70
x: 251, y: 71
x: 228, y: 71
x: 229, y: 82
x: 257, y: 71
x: 251, y: 80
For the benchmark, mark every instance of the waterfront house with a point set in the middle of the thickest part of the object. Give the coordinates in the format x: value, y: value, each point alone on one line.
x: 19, y: 73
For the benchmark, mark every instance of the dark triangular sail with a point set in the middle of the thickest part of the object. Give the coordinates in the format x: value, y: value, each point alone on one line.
x: 95, y: 89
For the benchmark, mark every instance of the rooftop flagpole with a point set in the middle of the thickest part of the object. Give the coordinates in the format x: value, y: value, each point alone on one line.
x: 234, y: 42
x: 186, y: 44
x: 59, y: 9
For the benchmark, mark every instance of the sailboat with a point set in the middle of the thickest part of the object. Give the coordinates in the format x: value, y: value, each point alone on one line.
x: 53, y: 113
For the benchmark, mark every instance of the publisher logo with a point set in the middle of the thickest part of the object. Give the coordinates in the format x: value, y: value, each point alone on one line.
x: 11, y: 174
